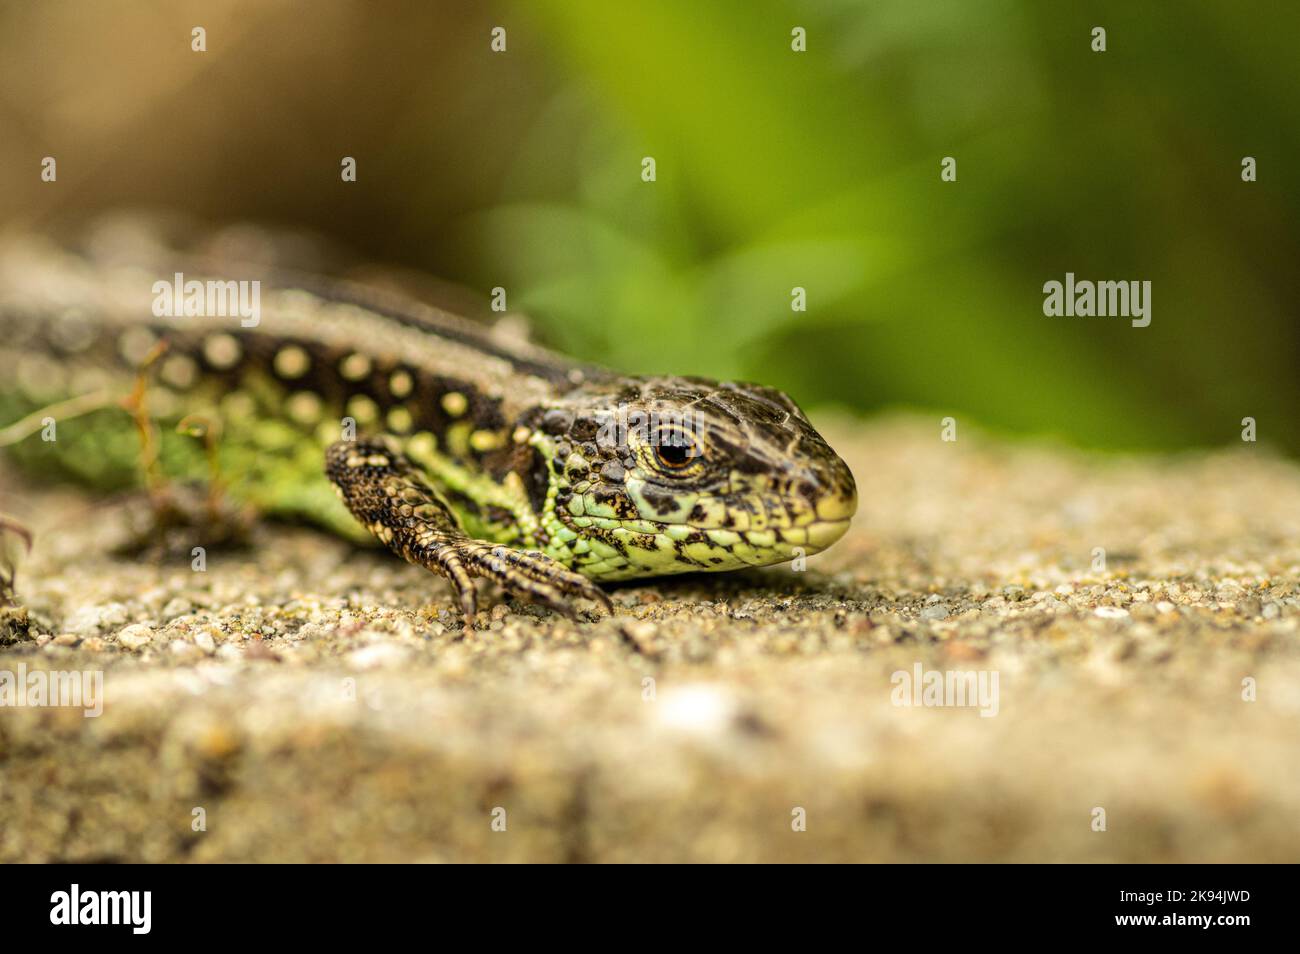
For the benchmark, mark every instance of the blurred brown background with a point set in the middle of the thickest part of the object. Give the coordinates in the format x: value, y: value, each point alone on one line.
x: 775, y: 169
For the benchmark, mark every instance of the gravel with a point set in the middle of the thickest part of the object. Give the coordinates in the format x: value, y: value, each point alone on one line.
x: 306, y: 700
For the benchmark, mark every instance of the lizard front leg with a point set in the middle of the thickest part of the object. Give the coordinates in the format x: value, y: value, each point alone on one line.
x: 386, y: 492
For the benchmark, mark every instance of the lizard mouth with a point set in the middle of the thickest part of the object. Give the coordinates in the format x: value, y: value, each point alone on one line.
x: 765, y: 547
x: 778, y: 542
x: 822, y: 533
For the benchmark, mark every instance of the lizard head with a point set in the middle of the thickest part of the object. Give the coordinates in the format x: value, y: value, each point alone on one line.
x: 663, y: 475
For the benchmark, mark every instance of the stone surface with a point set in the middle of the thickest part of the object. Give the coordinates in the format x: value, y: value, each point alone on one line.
x: 304, y: 700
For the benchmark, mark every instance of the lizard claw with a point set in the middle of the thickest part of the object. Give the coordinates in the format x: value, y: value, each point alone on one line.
x: 534, y: 575
x: 386, y: 492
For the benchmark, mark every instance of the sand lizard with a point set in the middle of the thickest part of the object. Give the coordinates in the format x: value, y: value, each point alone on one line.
x: 465, y: 455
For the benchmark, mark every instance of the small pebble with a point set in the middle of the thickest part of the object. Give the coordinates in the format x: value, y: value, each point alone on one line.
x: 378, y: 656
x: 176, y: 607
x: 184, y: 650
x: 136, y: 636
x: 89, y: 620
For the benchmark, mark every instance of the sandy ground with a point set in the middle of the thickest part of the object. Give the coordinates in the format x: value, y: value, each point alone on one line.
x: 304, y: 700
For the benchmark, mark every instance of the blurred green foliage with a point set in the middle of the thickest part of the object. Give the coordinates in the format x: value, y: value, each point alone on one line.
x: 821, y: 169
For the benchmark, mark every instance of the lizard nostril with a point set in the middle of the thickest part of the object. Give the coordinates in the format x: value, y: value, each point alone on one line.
x: 810, y: 490
x: 830, y: 490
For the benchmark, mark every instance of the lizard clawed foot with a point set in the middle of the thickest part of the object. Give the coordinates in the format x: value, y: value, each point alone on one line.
x: 170, y: 523
x: 10, y: 527
x: 13, y: 617
x: 535, y: 576
x: 387, y: 494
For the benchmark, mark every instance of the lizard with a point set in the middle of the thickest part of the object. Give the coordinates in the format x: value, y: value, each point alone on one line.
x: 368, y: 411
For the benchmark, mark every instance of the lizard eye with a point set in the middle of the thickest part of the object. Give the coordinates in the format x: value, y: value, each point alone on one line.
x: 675, y: 450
